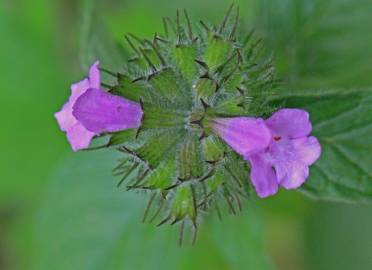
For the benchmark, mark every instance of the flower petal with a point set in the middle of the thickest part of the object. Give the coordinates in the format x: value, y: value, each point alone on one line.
x: 289, y: 163
x: 290, y: 123
x: 263, y: 177
x: 64, y: 117
x: 79, y: 137
x: 307, y: 149
x: 100, y: 111
x: 77, y: 89
x: 292, y: 175
x: 94, y: 76
x: 244, y: 134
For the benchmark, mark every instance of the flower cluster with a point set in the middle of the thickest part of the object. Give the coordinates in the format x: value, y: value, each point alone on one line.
x: 279, y: 149
x: 190, y: 115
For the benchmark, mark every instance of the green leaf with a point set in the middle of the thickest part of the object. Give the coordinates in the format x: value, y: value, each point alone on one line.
x: 213, y: 148
x: 167, y: 84
x: 317, y: 43
x: 215, y: 182
x: 147, y: 60
x: 129, y: 89
x: 217, y: 51
x: 122, y: 137
x: 236, y: 169
x: 162, y: 177
x: 205, y: 88
x: 184, y: 204
x: 231, y: 107
x: 189, y: 160
x: 86, y: 223
x: 232, y: 81
x: 162, y: 116
x: 184, y: 58
x: 159, y: 146
x: 342, y: 121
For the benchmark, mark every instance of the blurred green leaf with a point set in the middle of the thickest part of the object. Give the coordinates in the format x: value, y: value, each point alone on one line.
x: 86, y: 223
x: 338, y: 237
x: 95, y: 43
x: 319, y: 43
x: 342, y: 122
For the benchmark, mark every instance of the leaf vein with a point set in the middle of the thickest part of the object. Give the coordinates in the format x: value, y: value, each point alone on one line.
x: 347, y: 157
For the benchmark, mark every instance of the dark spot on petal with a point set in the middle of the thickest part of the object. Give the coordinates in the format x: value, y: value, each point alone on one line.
x: 118, y: 108
x: 277, y: 138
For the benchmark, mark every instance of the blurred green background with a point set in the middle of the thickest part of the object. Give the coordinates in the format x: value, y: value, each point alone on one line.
x: 50, y: 220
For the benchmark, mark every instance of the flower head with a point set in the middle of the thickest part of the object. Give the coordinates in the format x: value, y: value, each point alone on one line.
x: 77, y: 135
x: 91, y: 111
x: 285, y: 162
x: 186, y: 81
x: 279, y: 149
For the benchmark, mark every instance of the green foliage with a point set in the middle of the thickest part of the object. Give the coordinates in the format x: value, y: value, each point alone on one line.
x: 95, y: 43
x: 342, y: 122
x: 165, y: 82
x: 162, y: 177
x: 184, y: 204
x: 122, y: 137
x: 190, y: 164
x: 162, y: 116
x: 158, y: 147
x: 217, y: 51
x: 321, y: 44
x: 184, y: 58
x: 205, y: 88
x: 213, y: 148
x: 127, y: 88
x: 352, y: 222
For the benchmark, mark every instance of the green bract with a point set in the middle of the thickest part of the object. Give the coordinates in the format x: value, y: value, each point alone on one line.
x: 182, y: 79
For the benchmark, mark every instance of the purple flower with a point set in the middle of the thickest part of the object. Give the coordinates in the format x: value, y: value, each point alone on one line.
x: 243, y: 134
x: 99, y: 111
x: 91, y: 111
x: 279, y: 149
x: 285, y: 162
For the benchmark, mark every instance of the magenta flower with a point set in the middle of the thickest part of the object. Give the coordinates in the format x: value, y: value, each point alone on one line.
x: 284, y: 158
x: 287, y: 159
x: 91, y: 111
x: 99, y: 111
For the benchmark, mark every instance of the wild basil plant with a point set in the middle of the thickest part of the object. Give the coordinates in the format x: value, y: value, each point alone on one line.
x: 201, y: 121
